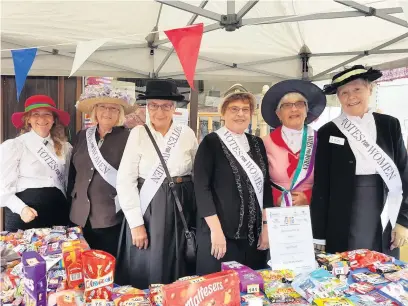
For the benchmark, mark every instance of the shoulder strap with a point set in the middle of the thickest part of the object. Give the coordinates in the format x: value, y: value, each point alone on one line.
x: 171, y: 183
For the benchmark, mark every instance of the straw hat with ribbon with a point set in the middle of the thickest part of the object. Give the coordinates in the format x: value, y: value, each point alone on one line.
x: 37, y: 102
x: 351, y: 74
x: 98, y: 94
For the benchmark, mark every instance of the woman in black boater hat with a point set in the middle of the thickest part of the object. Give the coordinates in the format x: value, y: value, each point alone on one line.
x: 152, y: 240
x: 360, y: 191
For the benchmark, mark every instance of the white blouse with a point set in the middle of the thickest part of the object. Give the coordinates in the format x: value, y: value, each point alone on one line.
x: 20, y: 169
x: 367, y: 124
x: 292, y: 138
x: 138, y: 159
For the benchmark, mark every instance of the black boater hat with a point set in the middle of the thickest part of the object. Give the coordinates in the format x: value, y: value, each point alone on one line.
x: 316, y: 100
x: 162, y: 90
x: 351, y: 74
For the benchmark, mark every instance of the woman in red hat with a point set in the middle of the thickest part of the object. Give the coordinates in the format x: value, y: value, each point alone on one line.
x: 34, y: 167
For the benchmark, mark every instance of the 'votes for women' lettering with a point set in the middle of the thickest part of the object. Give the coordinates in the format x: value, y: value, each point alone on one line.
x: 50, y: 161
x: 371, y: 150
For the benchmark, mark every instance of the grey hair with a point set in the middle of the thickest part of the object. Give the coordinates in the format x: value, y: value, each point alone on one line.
x: 292, y: 95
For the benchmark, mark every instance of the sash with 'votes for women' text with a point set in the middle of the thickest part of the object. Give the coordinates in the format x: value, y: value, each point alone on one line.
x: 253, y: 171
x: 304, y: 167
x: 157, y: 175
x: 108, y: 172
x: 47, y: 158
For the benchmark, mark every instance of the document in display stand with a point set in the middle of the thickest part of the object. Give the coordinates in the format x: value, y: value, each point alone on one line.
x: 291, y: 239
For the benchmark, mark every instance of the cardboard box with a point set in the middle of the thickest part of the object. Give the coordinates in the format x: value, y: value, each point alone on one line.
x: 35, y: 279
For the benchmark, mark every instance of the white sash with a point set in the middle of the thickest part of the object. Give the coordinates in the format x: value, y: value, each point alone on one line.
x: 47, y: 158
x: 253, y: 171
x: 157, y: 175
x: 384, y: 165
x: 107, y: 172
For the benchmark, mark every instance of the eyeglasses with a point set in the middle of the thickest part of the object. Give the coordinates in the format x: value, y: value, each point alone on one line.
x: 112, y: 109
x: 41, y: 115
x: 298, y: 105
x: 236, y: 110
x: 164, y: 107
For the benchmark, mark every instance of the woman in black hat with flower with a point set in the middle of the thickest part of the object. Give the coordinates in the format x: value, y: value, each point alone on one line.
x: 360, y: 192
x: 151, y: 247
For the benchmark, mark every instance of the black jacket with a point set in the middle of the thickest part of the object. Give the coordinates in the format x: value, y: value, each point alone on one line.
x: 334, y: 177
x: 215, y: 186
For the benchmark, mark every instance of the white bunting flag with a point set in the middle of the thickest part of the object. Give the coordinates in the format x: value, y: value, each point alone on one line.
x: 84, y: 50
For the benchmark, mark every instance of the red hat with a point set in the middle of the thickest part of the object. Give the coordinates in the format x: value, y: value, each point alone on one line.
x: 39, y: 101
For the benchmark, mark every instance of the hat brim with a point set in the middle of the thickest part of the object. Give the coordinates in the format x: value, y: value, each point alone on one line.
x: 314, y: 95
x: 87, y: 105
x: 177, y: 98
x: 63, y: 117
x: 371, y: 75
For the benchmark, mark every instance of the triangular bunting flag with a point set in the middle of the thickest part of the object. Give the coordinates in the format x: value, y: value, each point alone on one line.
x: 186, y: 41
x: 23, y: 60
x: 404, y: 5
x: 84, y: 50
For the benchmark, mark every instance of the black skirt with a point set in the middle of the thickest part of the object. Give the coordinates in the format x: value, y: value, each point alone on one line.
x: 162, y: 262
x: 50, y: 204
x: 365, y: 223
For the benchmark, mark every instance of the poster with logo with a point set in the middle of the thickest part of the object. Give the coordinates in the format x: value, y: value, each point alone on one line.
x: 290, y: 239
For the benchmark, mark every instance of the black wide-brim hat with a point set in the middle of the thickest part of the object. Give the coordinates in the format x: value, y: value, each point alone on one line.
x: 161, y: 90
x: 351, y: 74
x: 316, y: 100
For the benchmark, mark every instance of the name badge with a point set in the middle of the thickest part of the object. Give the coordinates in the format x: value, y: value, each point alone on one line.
x: 336, y: 140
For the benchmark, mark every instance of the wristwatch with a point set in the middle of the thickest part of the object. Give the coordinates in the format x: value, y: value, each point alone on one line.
x: 264, y: 222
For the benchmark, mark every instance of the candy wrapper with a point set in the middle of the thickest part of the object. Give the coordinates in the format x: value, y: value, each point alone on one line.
x: 221, y: 288
x: 156, y: 294
x: 72, y: 262
x: 98, y: 269
x: 364, y: 258
x: 250, y: 280
x: 373, y: 298
x: 248, y: 299
x: 35, y: 279
x: 319, y: 284
x: 127, y: 290
x: 384, y: 268
x: 131, y: 300
x: 360, y: 288
x: 397, y: 292
x: 281, y: 295
x: 371, y: 278
x: 333, y: 302
x: 66, y: 298
x: 284, y: 276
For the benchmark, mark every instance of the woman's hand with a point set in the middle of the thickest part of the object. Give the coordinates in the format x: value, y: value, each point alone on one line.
x: 218, y: 244
x: 263, y: 243
x: 139, y: 237
x: 399, y: 236
x: 28, y: 214
x: 299, y: 198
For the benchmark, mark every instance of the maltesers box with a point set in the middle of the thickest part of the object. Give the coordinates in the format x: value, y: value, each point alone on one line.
x: 217, y: 289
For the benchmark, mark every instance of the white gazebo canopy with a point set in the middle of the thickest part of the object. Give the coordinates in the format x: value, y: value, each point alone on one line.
x: 243, y: 40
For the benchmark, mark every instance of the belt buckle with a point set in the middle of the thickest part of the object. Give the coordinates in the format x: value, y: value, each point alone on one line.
x: 179, y: 180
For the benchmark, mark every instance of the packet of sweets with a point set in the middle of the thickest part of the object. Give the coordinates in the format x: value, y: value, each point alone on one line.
x: 333, y: 302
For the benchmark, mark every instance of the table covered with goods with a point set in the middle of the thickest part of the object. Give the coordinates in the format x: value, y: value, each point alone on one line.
x: 55, y: 267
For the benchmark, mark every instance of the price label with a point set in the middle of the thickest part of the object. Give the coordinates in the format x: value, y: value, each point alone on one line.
x: 197, y: 280
x: 253, y: 288
x: 98, y: 302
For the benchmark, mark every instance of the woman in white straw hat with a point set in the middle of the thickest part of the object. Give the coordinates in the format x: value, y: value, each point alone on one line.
x: 95, y: 159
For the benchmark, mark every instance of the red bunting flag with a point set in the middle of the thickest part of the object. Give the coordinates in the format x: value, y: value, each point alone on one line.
x: 186, y: 42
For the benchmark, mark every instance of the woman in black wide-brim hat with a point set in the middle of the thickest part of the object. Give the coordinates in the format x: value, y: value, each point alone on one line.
x: 152, y: 240
x: 359, y: 198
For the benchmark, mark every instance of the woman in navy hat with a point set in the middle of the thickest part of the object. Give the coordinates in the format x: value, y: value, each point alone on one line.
x: 288, y: 107
x: 34, y: 167
x: 360, y: 192
x: 152, y: 241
